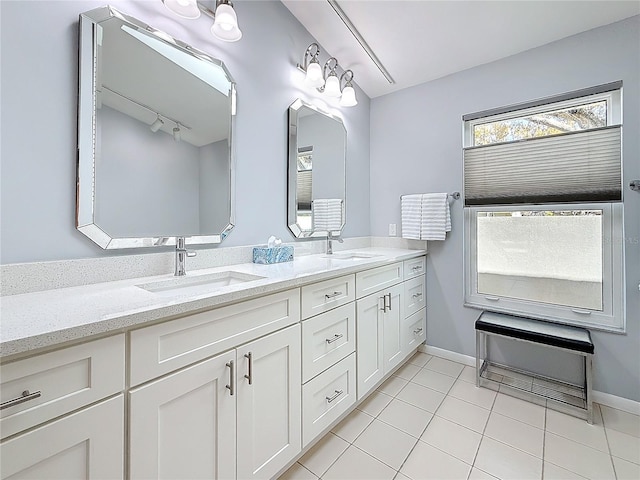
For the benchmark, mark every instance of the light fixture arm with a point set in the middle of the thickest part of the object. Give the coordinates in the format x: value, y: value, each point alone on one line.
x: 349, y: 75
x: 212, y: 13
x: 332, y: 70
x: 312, y: 53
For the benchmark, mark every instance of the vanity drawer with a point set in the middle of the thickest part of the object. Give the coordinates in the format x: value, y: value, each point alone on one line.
x: 171, y: 345
x: 327, y: 339
x: 59, y: 382
x: 414, y: 331
x: 414, y: 267
x: 326, y: 397
x: 414, y: 295
x: 370, y: 281
x: 323, y: 296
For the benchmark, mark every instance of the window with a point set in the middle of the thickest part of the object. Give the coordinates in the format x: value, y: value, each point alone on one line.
x: 543, y: 227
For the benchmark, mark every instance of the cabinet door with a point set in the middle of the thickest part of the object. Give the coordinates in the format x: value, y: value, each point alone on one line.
x: 183, y: 426
x: 392, y: 327
x: 269, y: 383
x: 88, y: 444
x: 369, y: 342
x: 414, y: 332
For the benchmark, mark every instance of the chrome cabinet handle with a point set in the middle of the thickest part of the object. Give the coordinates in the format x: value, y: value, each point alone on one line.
x: 26, y: 396
x: 337, y: 336
x: 389, y: 294
x: 416, y: 268
x: 338, y: 393
x: 232, y: 378
x: 417, y: 295
x: 417, y: 331
x: 384, y: 303
x: 249, y: 375
x: 327, y: 296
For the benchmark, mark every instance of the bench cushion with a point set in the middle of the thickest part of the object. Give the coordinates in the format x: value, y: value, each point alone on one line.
x: 538, y: 331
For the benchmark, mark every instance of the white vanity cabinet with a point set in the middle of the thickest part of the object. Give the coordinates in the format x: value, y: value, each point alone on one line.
x: 233, y: 415
x: 55, y: 421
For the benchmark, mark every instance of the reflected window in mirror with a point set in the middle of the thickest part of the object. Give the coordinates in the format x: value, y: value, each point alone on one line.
x: 317, y: 154
x: 155, y: 153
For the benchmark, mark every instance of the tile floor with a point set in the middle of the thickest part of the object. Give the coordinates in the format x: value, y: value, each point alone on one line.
x: 429, y: 421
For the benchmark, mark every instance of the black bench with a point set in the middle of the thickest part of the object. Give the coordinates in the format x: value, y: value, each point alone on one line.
x: 569, y: 339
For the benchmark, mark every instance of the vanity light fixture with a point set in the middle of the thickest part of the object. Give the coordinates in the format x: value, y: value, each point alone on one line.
x: 157, y: 124
x: 326, y: 79
x: 225, y: 21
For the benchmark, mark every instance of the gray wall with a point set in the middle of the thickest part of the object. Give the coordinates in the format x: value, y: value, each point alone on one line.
x: 214, y: 187
x: 416, y: 146
x: 38, y: 118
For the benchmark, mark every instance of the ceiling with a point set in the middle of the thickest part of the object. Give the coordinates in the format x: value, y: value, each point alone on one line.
x: 421, y: 40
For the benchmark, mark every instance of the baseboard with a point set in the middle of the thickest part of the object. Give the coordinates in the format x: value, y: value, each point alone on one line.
x: 613, y: 401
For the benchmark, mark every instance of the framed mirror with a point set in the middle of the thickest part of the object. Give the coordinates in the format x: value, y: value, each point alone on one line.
x: 316, y: 192
x: 155, y: 137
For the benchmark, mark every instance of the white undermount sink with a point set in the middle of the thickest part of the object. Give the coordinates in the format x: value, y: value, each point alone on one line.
x: 351, y: 256
x: 199, y: 283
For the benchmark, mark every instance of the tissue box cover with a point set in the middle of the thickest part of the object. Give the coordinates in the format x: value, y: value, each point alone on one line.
x: 268, y: 255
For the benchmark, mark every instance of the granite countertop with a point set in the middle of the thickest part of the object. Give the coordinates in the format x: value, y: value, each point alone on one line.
x: 34, y: 321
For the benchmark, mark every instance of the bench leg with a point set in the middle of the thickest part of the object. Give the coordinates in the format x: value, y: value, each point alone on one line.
x: 479, y: 356
x: 588, y: 380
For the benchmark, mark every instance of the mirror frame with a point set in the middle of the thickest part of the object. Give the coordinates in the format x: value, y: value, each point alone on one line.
x: 85, y: 162
x: 292, y: 176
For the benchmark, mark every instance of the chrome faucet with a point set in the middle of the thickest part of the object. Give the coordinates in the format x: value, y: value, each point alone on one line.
x: 330, y: 245
x: 181, y: 254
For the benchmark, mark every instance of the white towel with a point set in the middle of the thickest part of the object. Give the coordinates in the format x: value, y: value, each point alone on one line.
x: 436, y: 217
x: 327, y: 214
x: 411, y: 208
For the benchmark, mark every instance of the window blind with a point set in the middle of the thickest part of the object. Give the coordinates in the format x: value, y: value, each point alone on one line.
x: 584, y: 166
x: 305, y: 181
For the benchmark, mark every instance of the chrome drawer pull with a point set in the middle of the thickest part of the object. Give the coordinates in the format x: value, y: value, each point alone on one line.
x: 417, y: 295
x: 337, y: 336
x: 338, y: 393
x: 26, y: 396
x: 416, y: 268
x: 332, y: 295
x: 417, y: 331
x: 249, y: 375
x: 232, y: 378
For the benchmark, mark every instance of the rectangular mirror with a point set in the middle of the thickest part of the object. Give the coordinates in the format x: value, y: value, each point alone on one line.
x: 155, y: 127
x: 316, y: 184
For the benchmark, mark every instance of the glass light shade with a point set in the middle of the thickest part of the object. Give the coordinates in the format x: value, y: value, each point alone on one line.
x: 183, y: 8
x: 348, y: 97
x: 314, y: 78
x: 332, y: 86
x: 225, y: 26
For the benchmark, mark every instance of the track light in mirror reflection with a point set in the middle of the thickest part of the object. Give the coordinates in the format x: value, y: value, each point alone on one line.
x: 177, y: 136
x: 326, y: 79
x: 225, y: 21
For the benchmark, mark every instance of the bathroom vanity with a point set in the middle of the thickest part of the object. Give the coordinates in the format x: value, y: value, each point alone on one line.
x: 229, y: 372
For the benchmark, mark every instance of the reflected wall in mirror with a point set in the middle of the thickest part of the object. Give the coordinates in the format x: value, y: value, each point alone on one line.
x: 316, y: 181
x: 155, y: 125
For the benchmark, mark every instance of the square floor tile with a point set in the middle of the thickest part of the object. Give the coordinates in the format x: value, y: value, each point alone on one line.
x: 297, y: 472
x: 626, y: 470
x: 624, y: 446
x: 386, y: 443
x: 517, y: 434
x: 453, y: 439
x: 323, y: 454
x: 353, y: 425
x: 578, y: 458
x: 434, y: 380
x: 354, y: 464
x: 392, y: 385
x: 444, y: 366
x: 420, y: 359
x: 521, y: 410
x: 577, y: 429
x: 421, y: 397
x: 477, y: 474
x: 468, y: 374
x: 463, y: 413
x: 482, y: 397
x: 554, y: 472
x: 622, y: 421
x: 407, y: 371
x: 429, y: 463
x: 400, y: 476
x: 375, y: 403
x: 506, y: 462
x: 406, y: 417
